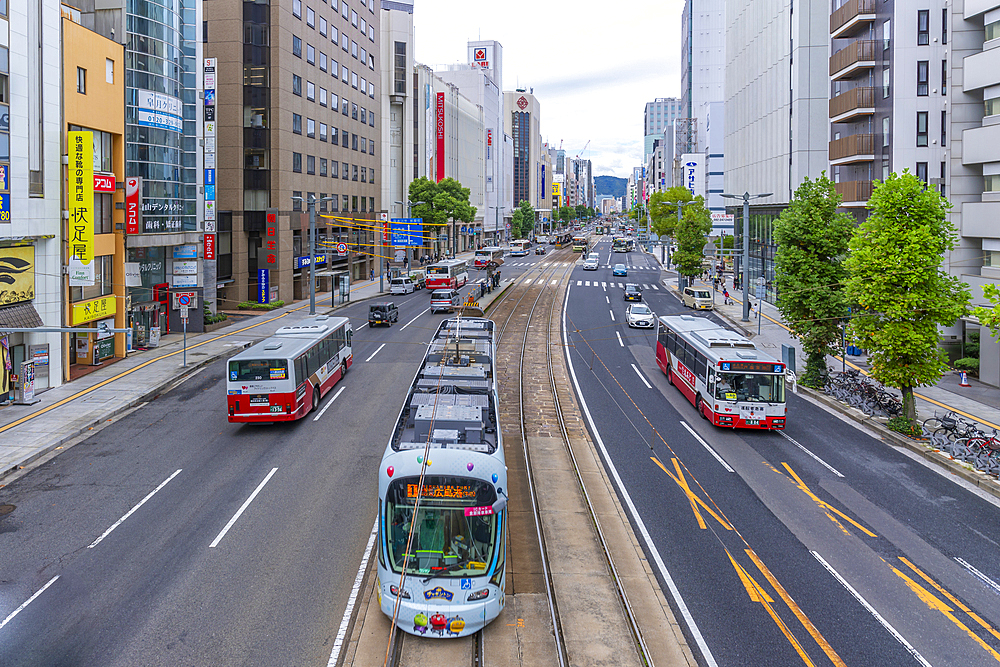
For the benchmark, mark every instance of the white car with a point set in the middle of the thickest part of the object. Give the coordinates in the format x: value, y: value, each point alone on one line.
x: 591, y: 264
x: 639, y: 315
x: 401, y: 286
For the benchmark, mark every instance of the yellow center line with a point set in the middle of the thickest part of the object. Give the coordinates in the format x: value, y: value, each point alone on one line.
x: 951, y: 598
x: 799, y: 614
x: 825, y: 505
x: 692, y: 498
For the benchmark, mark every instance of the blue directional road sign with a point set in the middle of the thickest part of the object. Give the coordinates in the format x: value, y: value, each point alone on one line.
x: 407, y: 231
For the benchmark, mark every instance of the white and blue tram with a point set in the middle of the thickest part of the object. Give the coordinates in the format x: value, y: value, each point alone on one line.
x: 443, y: 491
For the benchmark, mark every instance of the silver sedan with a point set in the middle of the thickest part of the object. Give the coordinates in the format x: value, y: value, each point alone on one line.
x: 640, y: 315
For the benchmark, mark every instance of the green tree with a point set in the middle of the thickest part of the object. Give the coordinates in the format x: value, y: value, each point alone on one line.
x: 581, y: 211
x: 522, y: 221
x: 989, y: 317
x: 438, y: 202
x: 897, y: 282
x: 812, y: 240
x: 664, y: 214
x: 691, y: 234
x: 565, y: 213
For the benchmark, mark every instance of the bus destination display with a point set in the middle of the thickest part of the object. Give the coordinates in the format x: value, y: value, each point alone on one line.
x: 750, y: 367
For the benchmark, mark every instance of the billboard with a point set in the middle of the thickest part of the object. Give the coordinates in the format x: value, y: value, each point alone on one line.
x: 439, y: 125
x: 17, y: 274
x: 81, y: 202
x: 693, y: 171
x: 480, y: 56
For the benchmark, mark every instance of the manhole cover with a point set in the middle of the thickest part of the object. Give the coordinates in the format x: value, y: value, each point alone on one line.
x: 6, y: 509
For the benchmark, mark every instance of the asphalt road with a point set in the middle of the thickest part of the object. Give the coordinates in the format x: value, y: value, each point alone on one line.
x: 742, y: 532
x: 170, y: 584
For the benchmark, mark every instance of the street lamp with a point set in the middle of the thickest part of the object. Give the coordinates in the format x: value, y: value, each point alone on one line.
x: 680, y: 205
x: 746, y: 197
x: 311, y: 205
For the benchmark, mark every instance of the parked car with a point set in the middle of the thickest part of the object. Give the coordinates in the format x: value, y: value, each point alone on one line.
x: 639, y: 315
x: 383, y: 312
x: 633, y: 292
x: 591, y: 264
x: 445, y: 299
x: 697, y: 298
x: 402, y: 285
x: 619, y: 270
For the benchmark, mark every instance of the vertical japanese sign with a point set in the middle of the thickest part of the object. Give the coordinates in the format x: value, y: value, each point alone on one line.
x: 133, y: 209
x: 209, y: 246
x: 263, y: 286
x: 439, y: 157
x: 81, y: 204
x: 269, y: 247
x: 210, y: 102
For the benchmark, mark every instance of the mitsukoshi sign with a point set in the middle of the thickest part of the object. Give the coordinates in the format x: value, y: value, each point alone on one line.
x: 693, y: 166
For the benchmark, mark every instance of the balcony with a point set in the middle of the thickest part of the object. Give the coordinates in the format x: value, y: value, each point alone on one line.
x: 855, y: 148
x: 852, y: 104
x: 853, y: 59
x: 853, y: 17
x: 854, y: 193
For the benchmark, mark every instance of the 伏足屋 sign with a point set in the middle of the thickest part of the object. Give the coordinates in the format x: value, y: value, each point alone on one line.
x: 94, y: 309
x: 81, y: 196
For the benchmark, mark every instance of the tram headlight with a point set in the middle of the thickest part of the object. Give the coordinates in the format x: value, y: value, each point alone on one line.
x: 478, y: 595
x: 394, y: 589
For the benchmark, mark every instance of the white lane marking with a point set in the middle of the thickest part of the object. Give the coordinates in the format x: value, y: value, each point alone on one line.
x: 648, y: 386
x: 414, y: 319
x: 645, y: 286
x: 620, y: 339
x: 605, y: 286
x: 129, y: 513
x: 527, y: 282
x: 607, y: 300
x: 986, y: 580
x: 871, y: 610
x: 329, y: 403
x: 704, y: 444
x: 818, y: 459
x: 349, y: 611
x: 375, y: 352
x: 580, y: 282
x: 655, y: 287
x: 612, y: 315
x: 28, y: 601
x: 242, y: 509
x: 553, y: 282
x: 643, y: 531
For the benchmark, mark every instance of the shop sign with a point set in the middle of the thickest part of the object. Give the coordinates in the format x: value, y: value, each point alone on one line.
x: 301, y: 262
x: 185, y: 281
x: 439, y: 157
x: 104, y: 333
x: 80, y: 274
x: 132, y: 208
x: 81, y: 196
x: 94, y: 309
x: 188, y: 268
x: 270, y: 246
x: 133, y: 276
x: 17, y: 274
x: 263, y: 286
x: 5, y: 178
x: 209, y: 246
x: 104, y: 182
x: 186, y: 251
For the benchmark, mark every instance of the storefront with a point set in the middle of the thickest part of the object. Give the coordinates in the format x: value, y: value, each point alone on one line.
x: 89, y: 346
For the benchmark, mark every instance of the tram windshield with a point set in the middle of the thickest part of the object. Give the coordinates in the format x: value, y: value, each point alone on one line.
x: 751, y: 387
x: 451, y: 535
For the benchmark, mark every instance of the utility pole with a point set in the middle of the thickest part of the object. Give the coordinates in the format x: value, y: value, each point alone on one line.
x: 746, y: 197
x: 311, y: 206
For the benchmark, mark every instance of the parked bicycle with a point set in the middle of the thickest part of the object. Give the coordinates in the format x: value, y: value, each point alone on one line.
x: 864, y: 393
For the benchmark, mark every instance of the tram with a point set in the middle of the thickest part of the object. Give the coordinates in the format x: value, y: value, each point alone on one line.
x: 442, y: 525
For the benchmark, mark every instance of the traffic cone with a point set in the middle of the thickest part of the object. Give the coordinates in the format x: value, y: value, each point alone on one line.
x: 963, y: 379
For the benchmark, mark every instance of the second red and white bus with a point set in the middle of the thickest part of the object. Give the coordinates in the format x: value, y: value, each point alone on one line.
x: 730, y: 382
x: 283, y: 378
x: 519, y: 248
x: 489, y: 254
x: 449, y: 273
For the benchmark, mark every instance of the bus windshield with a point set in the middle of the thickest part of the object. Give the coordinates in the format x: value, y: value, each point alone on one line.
x: 450, y: 536
x: 751, y: 387
x: 250, y: 370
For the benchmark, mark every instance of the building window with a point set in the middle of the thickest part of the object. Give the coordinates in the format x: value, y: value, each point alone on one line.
x: 885, y: 83
x: 334, y: 136
x: 311, y: 91
x: 322, y: 97
x: 334, y: 200
x: 354, y: 48
x: 345, y: 106
x: 921, y: 128
x: 363, y: 115
x: 297, y: 85
x: 334, y: 169
x: 992, y: 30
x: 371, y: 118
x: 109, y: 71
x: 322, y: 131
x: 322, y: 26
x: 364, y: 145
x: 371, y: 175
x: 992, y: 107
x: 371, y: 90
x: 364, y: 175
x: 310, y: 54
x: 886, y: 34
x: 944, y: 28
x: 310, y: 164
x: 296, y: 46
x: 991, y: 183
x: 371, y: 33
x: 81, y: 80
x: 322, y: 166
x: 354, y: 18
x: 297, y: 8
x: 923, y: 76
x: 354, y: 80
x: 310, y: 128
x: 322, y: 206
x: 944, y: 128
x: 885, y: 132
x: 363, y: 205
x: 297, y: 163
x: 345, y: 74
x: 345, y: 202
x: 322, y: 61
x: 345, y: 171
x: 296, y: 200
x: 310, y: 17
x: 923, y: 27
x: 343, y: 41
x: 354, y: 202
x: 943, y: 165
x: 354, y: 142
x: 354, y: 172
x: 354, y: 111
x: 371, y: 204
x: 885, y: 170
x: 364, y: 55
x: 334, y: 35
x: 944, y: 77
x: 343, y: 10
x: 922, y: 172
x: 296, y: 123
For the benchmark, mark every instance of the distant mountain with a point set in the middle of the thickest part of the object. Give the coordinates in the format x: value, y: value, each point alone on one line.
x: 610, y: 185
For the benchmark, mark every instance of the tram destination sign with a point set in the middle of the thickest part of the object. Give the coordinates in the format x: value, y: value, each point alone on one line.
x: 751, y: 367
x: 442, y: 491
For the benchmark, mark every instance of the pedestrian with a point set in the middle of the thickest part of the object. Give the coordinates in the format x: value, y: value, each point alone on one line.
x: 372, y: 275
x: 725, y: 297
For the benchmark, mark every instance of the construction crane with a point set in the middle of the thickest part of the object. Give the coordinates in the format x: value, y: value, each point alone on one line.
x: 560, y: 144
x: 582, y: 150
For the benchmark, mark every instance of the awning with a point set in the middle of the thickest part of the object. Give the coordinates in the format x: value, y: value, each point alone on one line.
x: 20, y: 316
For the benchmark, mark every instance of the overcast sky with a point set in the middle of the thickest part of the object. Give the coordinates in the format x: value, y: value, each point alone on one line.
x: 593, y: 65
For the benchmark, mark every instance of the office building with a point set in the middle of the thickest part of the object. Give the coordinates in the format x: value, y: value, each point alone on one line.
x: 656, y: 118
x: 522, y: 121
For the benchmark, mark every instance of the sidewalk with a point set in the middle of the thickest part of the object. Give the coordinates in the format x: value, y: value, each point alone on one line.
x: 980, y: 402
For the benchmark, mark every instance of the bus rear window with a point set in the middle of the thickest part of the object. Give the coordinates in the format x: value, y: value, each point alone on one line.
x: 250, y: 370
x: 437, y: 270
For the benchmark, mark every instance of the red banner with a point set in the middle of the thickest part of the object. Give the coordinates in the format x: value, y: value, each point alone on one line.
x: 104, y: 182
x: 209, y: 246
x: 132, y: 187
x: 439, y: 158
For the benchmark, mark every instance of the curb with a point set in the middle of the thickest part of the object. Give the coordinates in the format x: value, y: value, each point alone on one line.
x: 935, y: 456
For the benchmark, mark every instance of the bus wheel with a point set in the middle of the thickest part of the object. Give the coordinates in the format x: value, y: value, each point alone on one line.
x: 343, y: 369
x: 315, y: 398
x: 700, y: 406
x: 670, y: 377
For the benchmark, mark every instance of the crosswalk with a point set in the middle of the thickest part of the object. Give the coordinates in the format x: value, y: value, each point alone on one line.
x: 637, y: 267
x: 592, y: 283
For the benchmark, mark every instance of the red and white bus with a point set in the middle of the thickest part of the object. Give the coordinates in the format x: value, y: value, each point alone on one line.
x: 519, y: 248
x: 725, y: 376
x: 486, y: 255
x: 283, y: 378
x: 451, y: 273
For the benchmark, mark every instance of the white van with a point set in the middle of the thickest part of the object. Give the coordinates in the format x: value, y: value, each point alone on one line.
x: 401, y: 285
